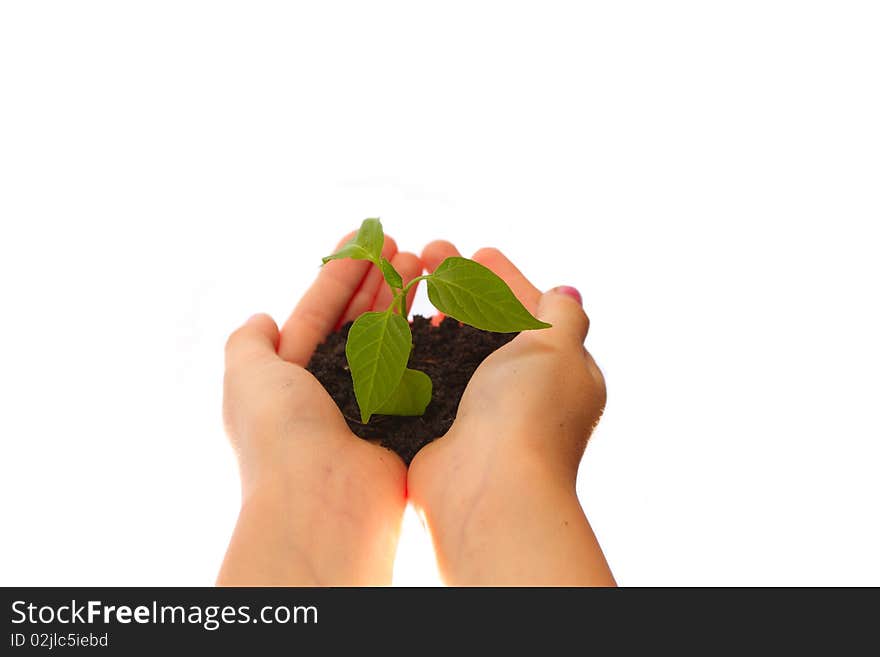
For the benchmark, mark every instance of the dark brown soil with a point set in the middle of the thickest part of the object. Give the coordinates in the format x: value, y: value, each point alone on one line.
x: 448, y: 353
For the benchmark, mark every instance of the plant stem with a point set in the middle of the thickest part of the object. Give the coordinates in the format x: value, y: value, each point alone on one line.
x: 399, y: 298
x: 407, y: 287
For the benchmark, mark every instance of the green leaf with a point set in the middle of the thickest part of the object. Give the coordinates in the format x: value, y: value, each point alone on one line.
x: 473, y: 294
x: 411, y: 397
x: 390, y: 273
x: 365, y: 245
x: 377, y: 349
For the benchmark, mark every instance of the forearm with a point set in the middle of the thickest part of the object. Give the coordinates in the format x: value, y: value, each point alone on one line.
x: 522, y: 525
x: 283, y: 537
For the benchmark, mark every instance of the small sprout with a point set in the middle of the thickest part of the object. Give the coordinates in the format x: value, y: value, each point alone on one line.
x: 379, y: 343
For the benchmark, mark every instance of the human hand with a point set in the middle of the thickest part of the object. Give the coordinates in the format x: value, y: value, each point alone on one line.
x: 320, y: 506
x: 498, y: 490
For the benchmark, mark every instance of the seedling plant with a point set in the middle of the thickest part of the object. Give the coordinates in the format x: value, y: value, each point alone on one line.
x: 379, y: 342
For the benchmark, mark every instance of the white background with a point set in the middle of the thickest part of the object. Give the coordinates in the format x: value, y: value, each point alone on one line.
x: 706, y: 173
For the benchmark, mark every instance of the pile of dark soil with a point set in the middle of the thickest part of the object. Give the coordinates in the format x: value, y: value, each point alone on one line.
x: 448, y: 353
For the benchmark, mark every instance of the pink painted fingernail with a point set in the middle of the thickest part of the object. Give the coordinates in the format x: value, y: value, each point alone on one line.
x: 572, y: 292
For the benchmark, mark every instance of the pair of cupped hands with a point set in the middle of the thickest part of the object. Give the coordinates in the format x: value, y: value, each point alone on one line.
x: 321, y: 506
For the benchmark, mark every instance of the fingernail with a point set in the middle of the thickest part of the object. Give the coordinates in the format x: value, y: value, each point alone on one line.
x: 570, y: 291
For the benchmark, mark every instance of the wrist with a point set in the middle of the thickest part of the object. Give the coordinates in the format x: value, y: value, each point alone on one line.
x: 500, y: 508
x: 486, y: 490
x: 313, y: 532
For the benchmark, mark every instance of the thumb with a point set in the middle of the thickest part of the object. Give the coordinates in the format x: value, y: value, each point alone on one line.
x: 561, y: 307
x: 255, y: 341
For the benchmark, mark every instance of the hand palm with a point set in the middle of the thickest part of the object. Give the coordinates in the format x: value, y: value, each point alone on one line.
x: 527, y: 389
x: 268, y: 392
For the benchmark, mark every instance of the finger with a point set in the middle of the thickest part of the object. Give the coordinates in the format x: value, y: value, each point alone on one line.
x: 562, y: 308
x: 254, y: 343
x: 432, y: 255
x: 409, y: 266
x: 527, y: 293
x: 362, y: 300
x: 320, y: 309
x: 436, y: 252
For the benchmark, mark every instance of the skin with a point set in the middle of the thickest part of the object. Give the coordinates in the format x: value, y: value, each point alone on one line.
x: 321, y: 506
x: 497, y: 492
